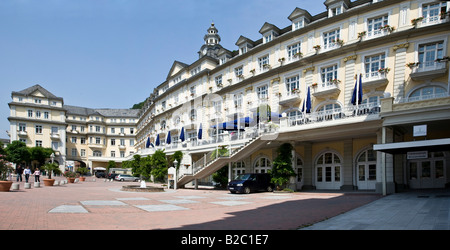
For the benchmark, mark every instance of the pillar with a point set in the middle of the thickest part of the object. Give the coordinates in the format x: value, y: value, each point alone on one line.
x: 347, y: 166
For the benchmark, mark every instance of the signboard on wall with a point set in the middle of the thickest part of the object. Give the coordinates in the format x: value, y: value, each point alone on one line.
x: 417, y: 155
x: 420, y: 130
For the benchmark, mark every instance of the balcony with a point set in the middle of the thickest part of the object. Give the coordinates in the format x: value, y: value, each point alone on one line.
x: 429, y: 70
x: 374, y: 80
x: 54, y: 136
x: 97, y: 145
x: 432, y: 20
x: 326, y: 89
x: 22, y: 133
x: 290, y: 97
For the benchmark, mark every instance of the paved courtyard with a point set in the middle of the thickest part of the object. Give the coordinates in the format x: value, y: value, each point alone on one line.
x: 102, y: 205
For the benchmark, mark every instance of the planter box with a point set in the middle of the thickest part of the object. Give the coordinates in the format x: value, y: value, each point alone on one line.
x: 49, y: 182
x: 5, y: 186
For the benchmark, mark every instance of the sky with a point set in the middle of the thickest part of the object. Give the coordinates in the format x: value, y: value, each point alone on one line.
x: 113, y: 53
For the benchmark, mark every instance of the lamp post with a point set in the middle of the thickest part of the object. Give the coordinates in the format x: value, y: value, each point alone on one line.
x: 175, y: 163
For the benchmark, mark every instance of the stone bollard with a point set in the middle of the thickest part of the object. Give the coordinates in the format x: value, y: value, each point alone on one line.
x: 94, y: 180
x: 56, y: 183
x: 27, y: 185
x: 15, y: 186
x: 37, y: 184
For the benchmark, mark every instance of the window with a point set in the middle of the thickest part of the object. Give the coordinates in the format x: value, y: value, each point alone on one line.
x: 328, y: 75
x: 113, y: 142
x: 38, y: 114
x: 131, y: 130
x: 263, y: 63
x: 37, y: 101
x: 74, y: 152
x: 163, y: 104
x: 163, y: 125
x: 292, y: 84
x: 97, y: 128
x: 195, y: 71
x: 193, y: 114
x: 38, y: 129
x: 83, y: 140
x: 122, y: 142
x: 262, y: 92
x: 335, y: 11
x: 218, y: 80
x: 330, y: 107
x: 269, y: 37
x: 217, y: 105
x: 330, y: 38
x: 22, y: 127
x: 428, y: 53
x: 237, y: 99
x: 262, y: 165
x: 131, y: 142
x: 427, y: 93
x: 74, y: 140
x: 83, y: 152
x: 372, y: 64
x: 374, y: 26
x: 38, y: 143
x: 431, y: 12
x: 293, y: 51
x: 122, y: 154
x: 97, y: 153
x: 113, y: 130
x: 97, y: 140
x: 297, y: 24
x: 239, y: 72
x: 30, y: 113
x: 46, y: 115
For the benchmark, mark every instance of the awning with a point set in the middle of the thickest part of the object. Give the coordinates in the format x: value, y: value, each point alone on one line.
x: 404, y: 147
x: 99, y: 168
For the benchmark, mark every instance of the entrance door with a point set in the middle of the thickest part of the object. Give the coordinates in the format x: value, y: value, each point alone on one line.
x: 366, y: 170
x: 328, y: 171
x: 427, y: 173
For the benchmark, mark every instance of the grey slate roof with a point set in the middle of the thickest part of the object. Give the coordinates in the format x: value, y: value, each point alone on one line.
x: 32, y: 89
x: 74, y: 110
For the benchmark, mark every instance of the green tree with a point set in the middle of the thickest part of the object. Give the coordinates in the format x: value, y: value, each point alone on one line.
x: 145, y: 168
x: 159, y: 165
x: 178, y: 155
x: 40, y: 154
x: 221, y: 176
x: 17, y: 152
x: 111, y: 164
x: 282, y: 166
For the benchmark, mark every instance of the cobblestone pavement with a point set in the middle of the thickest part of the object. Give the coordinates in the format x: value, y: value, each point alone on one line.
x: 101, y: 205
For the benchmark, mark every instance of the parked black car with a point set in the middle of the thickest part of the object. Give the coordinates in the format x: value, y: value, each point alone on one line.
x: 246, y: 183
x: 100, y: 174
x: 112, y: 176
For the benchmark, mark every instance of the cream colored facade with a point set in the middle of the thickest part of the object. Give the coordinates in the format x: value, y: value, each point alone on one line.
x: 79, y: 136
x: 399, y: 49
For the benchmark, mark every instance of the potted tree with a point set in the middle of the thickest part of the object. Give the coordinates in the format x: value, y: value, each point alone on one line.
x: 70, y: 176
x: 51, y: 168
x: 5, y: 170
x: 282, y: 167
x: 82, y: 172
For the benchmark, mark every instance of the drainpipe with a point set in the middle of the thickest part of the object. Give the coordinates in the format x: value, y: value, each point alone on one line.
x: 383, y: 162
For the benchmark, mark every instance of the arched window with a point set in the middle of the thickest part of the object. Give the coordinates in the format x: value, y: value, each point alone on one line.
x: 262, y: 165
x: 329, y: 112
x: 163, y: 125
x: 427, y: 92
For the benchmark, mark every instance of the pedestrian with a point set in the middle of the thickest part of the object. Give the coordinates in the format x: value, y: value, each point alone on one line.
x: 27, y: 173
x: 19, y: 172
x: 37, y: 174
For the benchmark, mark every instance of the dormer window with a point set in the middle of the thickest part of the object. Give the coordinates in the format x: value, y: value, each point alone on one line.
x: 336, y: 7
x: 268, y: 38
x: 299, y: 23
x: 242, y: 50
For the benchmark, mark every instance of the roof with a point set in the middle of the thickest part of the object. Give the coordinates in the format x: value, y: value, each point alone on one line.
x: 74, y: 110
x: 29, y: 91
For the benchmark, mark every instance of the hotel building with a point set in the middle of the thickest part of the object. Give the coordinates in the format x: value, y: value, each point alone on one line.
x: 348, y: 88
x: 361, y: 91
x: 81, y: 137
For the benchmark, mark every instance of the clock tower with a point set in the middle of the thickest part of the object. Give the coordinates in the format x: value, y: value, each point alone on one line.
x: 211, y: 46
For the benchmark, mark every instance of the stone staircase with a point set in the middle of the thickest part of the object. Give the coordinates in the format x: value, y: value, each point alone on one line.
x: 214, y: 160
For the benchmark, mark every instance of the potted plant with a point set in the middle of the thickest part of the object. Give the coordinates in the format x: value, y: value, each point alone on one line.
x: 82, y: 172
x: 361, y: 35
x: 412, y: 64
x: 282, y: 170
x: 70, y: 176
x: 5, y: 170
x: 415, y: 21
x: 384, y: 70
x: 51, y: 168
x: 317, y: 48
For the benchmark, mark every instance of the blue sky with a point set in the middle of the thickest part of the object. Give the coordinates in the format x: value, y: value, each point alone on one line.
x: 112, y: 53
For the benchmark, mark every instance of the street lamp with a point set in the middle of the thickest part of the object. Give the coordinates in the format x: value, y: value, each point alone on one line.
x: 175, y: 163
x: 52, y: 156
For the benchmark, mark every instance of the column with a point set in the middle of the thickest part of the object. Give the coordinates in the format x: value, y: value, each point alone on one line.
x: 347, y: 171
x: 349, y: 78
x: 308, y: 167
x: 399, y: 70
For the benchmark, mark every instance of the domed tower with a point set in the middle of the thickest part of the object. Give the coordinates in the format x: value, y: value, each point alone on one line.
x: 211, y: 46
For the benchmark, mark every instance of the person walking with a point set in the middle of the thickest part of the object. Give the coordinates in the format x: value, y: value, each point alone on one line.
x: 27, y: 173
x: 19, y: 172
x: 37, y: 174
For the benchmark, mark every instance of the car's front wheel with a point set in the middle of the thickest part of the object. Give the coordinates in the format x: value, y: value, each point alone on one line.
x: 246, y: 190
x: 269, y: 189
